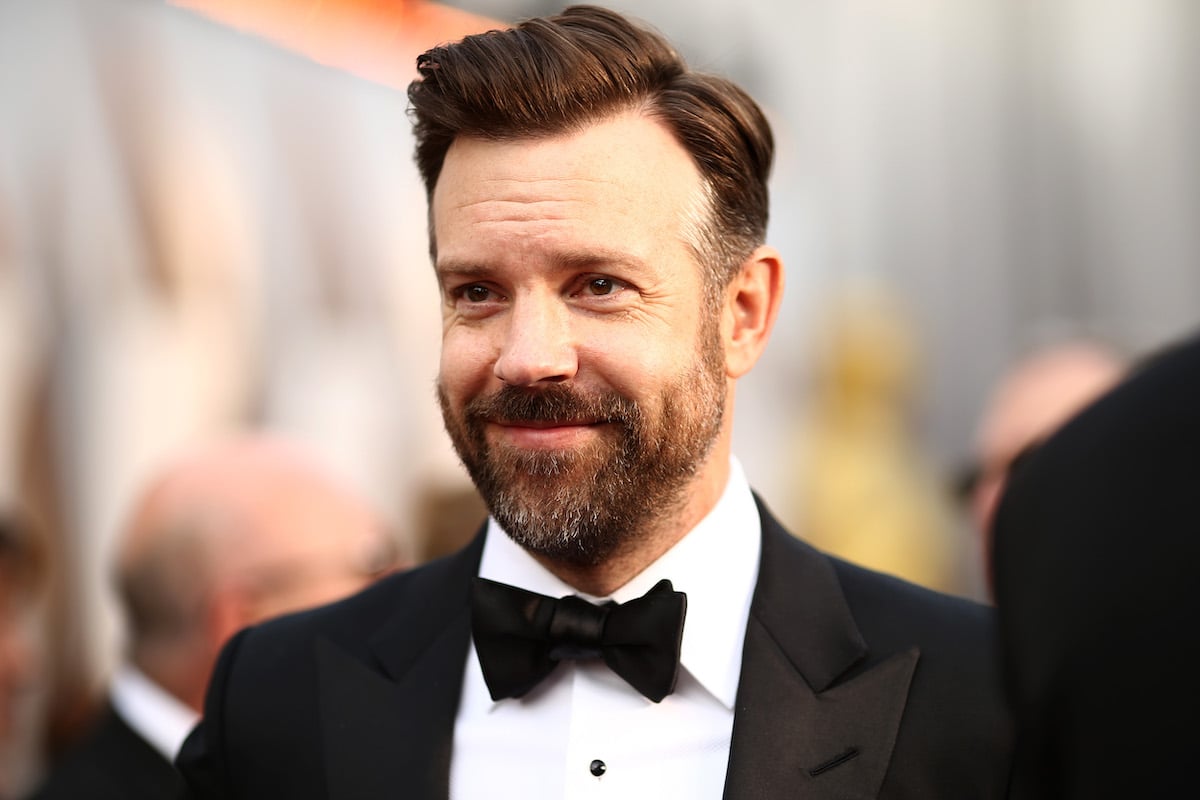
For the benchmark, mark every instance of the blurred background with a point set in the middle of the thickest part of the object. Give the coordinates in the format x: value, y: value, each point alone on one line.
x: 210, y: 221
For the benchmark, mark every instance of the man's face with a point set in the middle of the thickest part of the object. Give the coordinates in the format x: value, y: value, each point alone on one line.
x: 582, y: 374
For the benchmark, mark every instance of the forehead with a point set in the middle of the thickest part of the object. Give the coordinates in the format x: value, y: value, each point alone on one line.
x: 625, y: 176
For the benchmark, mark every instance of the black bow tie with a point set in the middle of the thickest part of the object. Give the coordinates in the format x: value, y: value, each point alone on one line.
x: 521, y: 636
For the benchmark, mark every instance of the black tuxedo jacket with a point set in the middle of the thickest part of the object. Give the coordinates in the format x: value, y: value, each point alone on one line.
x: 1097, y: 552
x: 853, y: 685
x: 111, y: 762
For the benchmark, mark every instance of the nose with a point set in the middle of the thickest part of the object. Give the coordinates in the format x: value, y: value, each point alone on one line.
x: 538, y: 345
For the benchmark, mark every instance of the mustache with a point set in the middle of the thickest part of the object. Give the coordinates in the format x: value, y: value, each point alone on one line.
x: 553, y: 404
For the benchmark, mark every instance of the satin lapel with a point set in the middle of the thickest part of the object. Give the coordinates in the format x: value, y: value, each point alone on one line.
x: 814, y: 718
x: 388, y: 724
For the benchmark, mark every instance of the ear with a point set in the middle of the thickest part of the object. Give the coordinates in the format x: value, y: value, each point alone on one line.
x: 229, y: 610
x: 751, y: 305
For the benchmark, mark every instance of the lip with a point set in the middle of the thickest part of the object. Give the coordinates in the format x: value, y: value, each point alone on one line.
x: 544, y: 435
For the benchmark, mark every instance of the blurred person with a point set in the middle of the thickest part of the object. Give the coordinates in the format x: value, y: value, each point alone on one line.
x: 1029, y: 402
x: 22, y: 582
x: 200, y: 227
x: 378, y: 41
x: 597, y: 213
x: 1096, y: 574
x: 223, y: 537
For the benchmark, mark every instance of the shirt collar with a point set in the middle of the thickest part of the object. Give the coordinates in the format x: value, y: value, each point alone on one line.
x: 156, y: 715
x: 715, y: 564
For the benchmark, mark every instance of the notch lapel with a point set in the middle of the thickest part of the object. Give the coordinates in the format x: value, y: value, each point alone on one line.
x: 387, y: 723
x: 814, y: 717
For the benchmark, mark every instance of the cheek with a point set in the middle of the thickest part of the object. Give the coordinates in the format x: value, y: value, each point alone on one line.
x: 639, y: 366
x: 466, y: 366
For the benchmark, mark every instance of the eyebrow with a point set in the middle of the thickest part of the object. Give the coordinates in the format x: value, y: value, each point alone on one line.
x: 598, y: 259
x: 463, y: 269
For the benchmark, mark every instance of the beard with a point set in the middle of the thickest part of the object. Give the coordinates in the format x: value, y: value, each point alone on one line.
x: 579, y: 506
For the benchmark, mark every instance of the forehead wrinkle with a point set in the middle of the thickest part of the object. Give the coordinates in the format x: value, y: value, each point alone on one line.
x: 518, y: 180
x: 500, y: 204
x: 521, y: 187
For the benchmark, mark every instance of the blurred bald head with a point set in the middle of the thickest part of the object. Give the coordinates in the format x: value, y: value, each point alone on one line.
x: 1031, y: 401
x: 232, y: 534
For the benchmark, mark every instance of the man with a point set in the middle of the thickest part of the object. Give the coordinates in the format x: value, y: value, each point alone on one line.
x: 1031, y: 401
x: 224, y: 537
x: 597, y: 214
x: 1096, y: 554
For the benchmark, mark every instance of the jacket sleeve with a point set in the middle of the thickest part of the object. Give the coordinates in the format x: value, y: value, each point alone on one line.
x: 202, y: 760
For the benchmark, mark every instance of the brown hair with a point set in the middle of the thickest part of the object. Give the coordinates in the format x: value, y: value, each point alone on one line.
x: 556, y: 74
x: 23, y: 556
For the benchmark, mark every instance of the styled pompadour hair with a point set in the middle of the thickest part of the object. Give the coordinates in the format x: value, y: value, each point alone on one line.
x: 556, y: 74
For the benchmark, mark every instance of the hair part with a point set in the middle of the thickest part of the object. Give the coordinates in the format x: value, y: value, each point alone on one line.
x: 559, y: 74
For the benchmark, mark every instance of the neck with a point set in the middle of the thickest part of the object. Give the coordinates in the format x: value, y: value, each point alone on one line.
x: 182, y: 675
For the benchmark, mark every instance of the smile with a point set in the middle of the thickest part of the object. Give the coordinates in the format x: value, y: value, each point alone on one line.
x: 545, y: 434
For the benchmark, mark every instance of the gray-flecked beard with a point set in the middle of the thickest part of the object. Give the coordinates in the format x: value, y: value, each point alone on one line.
x: 579, y: 506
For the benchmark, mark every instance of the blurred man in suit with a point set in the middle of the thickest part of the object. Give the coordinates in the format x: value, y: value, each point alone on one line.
x: 1097, y: 549
x: 224, y: 537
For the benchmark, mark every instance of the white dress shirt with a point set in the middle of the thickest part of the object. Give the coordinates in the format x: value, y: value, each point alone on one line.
x: 583, y: 719
x: 157, y: 716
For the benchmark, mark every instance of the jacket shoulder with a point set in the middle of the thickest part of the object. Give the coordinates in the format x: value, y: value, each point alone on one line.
x: 889, y: 608
x: 110, y: 762
x: 263, y: 711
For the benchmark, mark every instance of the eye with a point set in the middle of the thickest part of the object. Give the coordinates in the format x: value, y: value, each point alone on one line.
x: 475, y: 300
x: 602, y: 293
x: 599, y: 287
x: 475, y: 293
